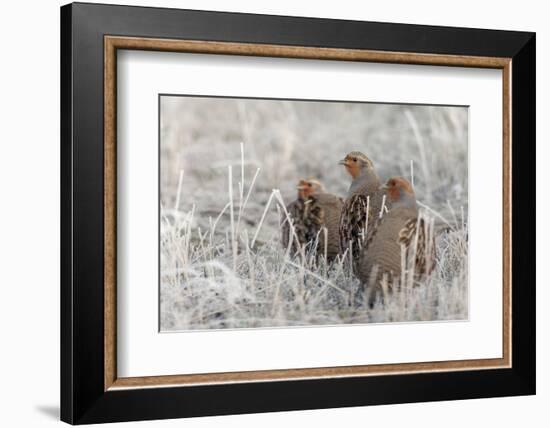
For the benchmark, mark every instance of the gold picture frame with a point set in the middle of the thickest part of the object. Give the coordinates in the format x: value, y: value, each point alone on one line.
x: 114, y: 43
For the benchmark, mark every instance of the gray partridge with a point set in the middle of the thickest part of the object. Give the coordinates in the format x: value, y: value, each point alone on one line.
x: 363, y: 203
x: 401, y: 229
x: 313, y: 212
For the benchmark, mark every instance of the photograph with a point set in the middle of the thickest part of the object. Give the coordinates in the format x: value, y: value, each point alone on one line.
x: 287, y: 213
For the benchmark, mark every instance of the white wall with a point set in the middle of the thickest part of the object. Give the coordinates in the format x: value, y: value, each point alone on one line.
x: 29, y: 231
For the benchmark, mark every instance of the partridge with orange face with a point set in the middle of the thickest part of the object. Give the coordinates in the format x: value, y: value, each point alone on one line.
x: 315, y: 215
x: 363, y: 205
x: 400, y: 240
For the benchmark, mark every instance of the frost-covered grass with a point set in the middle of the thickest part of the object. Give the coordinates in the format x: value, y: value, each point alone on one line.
x: 222, y: 263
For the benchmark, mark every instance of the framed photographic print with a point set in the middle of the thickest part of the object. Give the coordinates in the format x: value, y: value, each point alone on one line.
x: 264, y: 213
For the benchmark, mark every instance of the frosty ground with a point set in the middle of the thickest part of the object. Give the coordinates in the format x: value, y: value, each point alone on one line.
x: 228, y: 166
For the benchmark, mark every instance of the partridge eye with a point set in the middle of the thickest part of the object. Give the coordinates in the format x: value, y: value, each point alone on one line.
x: 309, y: 184
x: 354, y: 159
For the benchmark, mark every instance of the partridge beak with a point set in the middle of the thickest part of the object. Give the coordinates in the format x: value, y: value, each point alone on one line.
x: 300, y: 187
x: 343, y: 162
x: 384, y: 187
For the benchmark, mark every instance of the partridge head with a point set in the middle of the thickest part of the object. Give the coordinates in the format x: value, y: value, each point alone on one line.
x: 308, y: 187
x: 356, y: 163
x: 400, y: 193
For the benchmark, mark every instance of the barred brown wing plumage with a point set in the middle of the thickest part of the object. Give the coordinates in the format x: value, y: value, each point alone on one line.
x: 420, y: 241
x: 324, y: 213
x: 353, y: 223
x: 296, y: 213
